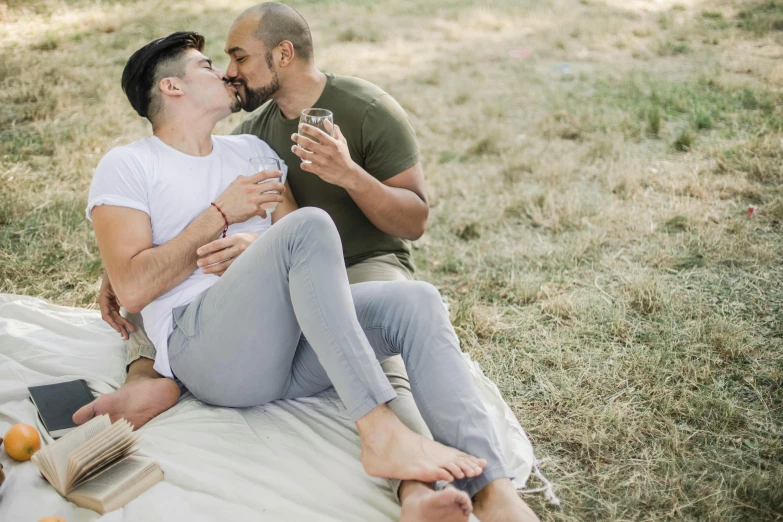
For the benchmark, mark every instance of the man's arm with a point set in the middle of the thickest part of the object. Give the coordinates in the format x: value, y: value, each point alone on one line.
x: 397, y: 206
x: 140, y: 273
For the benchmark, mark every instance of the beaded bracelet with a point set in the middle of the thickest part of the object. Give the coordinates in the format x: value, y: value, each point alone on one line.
x: 224, y: 218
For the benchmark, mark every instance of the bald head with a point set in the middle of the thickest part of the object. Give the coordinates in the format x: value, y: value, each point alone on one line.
x: 277, y: 22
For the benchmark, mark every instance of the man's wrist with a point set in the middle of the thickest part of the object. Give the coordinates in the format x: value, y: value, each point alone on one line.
x: 215, y: 217
x: 357, y: 181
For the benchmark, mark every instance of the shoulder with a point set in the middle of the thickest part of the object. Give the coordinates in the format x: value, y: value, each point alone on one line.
x: 369, y: 98
x: 357, y: 89
x: 133, y: 156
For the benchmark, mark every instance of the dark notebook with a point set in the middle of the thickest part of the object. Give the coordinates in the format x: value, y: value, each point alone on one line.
x: 56, y: 404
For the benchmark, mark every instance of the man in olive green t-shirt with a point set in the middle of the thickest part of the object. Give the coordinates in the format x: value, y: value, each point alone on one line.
x: 380, y: 144
x: 368, y: 177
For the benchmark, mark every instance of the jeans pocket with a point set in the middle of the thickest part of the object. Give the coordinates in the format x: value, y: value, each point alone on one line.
x: 178, y: 344
x: 187, y: 318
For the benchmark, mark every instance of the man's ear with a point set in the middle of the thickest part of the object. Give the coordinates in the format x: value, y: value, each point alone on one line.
x: 170, y: 86
x: 286, y: 52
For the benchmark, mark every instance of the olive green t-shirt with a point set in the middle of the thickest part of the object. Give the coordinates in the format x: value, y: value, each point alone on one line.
x: 380, y: 139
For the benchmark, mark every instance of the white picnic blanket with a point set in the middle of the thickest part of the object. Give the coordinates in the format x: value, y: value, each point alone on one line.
x: 294, y: 460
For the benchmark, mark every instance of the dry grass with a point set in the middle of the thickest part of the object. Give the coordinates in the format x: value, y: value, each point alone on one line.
x: 588, y: 225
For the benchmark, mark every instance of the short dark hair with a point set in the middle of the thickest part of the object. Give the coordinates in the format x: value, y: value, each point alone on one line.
x: 278, y: 22
x: 153, y: 62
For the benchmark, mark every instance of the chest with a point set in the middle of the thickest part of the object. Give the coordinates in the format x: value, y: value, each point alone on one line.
x: 181, y: 189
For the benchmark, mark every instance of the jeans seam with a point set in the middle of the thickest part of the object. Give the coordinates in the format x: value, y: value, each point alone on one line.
x: 340, y: 354
x: 386, y: 329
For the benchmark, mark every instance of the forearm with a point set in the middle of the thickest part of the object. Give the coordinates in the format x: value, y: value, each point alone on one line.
x: 154, y: 271
x: 397, y: 211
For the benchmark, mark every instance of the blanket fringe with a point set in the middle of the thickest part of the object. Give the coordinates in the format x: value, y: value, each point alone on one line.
x: 548, y: 488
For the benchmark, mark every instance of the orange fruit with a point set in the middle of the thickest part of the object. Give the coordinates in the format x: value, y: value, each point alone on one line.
x: 21, y: 442
x: 52, y: 519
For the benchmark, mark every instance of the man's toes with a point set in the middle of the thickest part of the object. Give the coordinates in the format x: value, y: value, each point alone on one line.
x: 443, y: 474
x: 456, y: 469
x: 84, y: 413
x: 475, y: 461
x: 470, y: 468
x: 463, y: 500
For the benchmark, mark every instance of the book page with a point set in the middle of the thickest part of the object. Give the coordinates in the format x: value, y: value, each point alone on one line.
x: 114, y: 479
x: 117, y: 430
x: 105, y: 442
x: 101, y: 462
x: 58, y: 452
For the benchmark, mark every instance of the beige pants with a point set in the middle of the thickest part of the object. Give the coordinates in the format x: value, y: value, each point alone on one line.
x: 382, y: 268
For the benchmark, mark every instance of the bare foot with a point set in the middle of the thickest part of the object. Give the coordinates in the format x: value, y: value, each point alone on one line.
x: 420, y: 503
x: 499, y: 502
x: 138, y: 401
x: 391, y: 450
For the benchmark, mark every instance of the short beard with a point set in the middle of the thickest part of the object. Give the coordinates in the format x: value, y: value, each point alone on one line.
x: 236, y: 105
x: 255, y: 98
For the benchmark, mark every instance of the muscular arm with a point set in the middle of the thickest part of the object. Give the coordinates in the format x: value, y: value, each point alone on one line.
x: 397, y: 206
x: 138, y: 272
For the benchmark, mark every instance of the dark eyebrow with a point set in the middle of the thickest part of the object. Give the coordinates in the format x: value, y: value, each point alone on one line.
x: 206, y: 60
x: 235, y: 49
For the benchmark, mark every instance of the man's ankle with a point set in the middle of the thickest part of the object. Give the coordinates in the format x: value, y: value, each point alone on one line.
x: 142, y: 368
x: 496, y: 488
x: 411, y: 488
x: 375, y: 417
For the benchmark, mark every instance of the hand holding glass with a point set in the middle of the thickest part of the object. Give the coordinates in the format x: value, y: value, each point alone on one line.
x: 262, y: 164
x: 317, y: 118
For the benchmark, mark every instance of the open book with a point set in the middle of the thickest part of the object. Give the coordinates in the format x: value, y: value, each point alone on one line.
x: 94, y: 467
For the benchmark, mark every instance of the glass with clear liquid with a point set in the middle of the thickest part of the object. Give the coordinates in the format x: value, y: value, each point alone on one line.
x: 261, y: 164
x: 317, y: 118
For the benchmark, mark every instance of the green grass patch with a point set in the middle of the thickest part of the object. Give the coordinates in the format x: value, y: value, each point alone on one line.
x: 639, y: 105
x: 761, y: 17
x: 761, y: 158
x: 684, y: 141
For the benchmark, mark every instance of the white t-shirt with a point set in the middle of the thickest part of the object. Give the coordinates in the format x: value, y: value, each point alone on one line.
x: 173, y: 188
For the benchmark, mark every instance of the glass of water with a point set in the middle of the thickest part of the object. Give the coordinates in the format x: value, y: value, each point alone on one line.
x: 317, y: 118
x: 261, y: 164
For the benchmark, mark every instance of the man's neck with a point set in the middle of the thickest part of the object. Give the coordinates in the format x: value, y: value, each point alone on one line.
x: 193, y: 137
x: 303, y: 91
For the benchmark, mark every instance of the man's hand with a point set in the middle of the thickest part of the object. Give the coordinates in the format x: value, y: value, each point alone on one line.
x: 244, y: 197
x: 329, y: 159
x: 221, y: 253
x: 110, y: 309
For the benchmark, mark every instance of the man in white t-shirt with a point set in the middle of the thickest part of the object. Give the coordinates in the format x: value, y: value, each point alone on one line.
x: 282, y: 320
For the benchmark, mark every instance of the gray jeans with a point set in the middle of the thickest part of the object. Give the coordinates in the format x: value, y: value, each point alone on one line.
x: 283, y: 322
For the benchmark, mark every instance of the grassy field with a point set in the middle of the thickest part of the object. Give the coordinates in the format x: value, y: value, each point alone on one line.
x: 590, y: 166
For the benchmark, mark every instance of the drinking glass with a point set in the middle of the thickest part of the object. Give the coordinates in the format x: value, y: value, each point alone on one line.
x: 316, y: 118
x: 261, y: 164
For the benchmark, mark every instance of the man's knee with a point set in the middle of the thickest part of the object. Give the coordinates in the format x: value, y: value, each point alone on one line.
x: 414, y: 300
x: 424, y: 296
x: 311, y: 218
